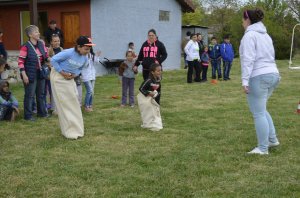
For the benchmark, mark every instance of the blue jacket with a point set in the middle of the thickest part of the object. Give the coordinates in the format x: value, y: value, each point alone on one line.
x: 214, y: 51
x: 227, y: 51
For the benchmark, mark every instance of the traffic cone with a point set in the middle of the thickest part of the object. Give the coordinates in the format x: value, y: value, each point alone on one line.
x: 298, y: 109
x: 213, y: 81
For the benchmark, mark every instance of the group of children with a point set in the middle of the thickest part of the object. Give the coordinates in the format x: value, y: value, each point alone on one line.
x: 197, y: 57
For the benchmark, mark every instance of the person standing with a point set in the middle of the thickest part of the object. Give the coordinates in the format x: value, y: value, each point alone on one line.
x: 33, y: 54
x: 53, y: 30
x: 53, y: 49
x: 128, y: 78
x: 260, y: 77
x: 185, y: 40
x: 215, y: 58
x: 66, y: 66
x: 227, y: 54
x: 3, y: 53
x: 192, y: 56
x: 88, y: 76
x: 152, y: 51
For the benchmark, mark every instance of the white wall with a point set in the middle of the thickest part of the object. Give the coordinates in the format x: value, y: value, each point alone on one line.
x: 115, y: 23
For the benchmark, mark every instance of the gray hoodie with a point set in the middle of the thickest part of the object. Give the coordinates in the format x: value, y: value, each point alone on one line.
x: 257, y: 53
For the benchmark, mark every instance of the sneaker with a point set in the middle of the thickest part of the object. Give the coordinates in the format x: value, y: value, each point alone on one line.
x: 122, y: 105
x: 273, y: 144
x: 30, y: 119
x: 132, y: 106
x: 87, y: 109
x: 258, y: 151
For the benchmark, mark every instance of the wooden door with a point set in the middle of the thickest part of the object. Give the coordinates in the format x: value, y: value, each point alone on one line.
x: 71, y: 28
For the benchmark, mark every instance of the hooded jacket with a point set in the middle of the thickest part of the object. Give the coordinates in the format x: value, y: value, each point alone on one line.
x: 150, y: 53
x: 257, y: 54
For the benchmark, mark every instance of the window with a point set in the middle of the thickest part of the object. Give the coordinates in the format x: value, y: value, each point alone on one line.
x: 164, y: 15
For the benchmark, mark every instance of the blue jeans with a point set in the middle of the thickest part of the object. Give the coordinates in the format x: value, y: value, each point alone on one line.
x: 127, y: 87
x: 226, y: 69
x: 216, y: 66
x: 37, y: 87
x: 260, y: 89
x: 89, y: 86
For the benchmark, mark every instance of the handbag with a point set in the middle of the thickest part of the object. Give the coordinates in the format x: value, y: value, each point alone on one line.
x: 44, y: 69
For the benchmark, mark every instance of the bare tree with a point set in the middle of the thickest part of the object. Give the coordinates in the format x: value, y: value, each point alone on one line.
x: 294, y: 6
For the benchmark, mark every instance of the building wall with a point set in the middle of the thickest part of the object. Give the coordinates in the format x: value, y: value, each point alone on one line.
x: 203, y: 31
x: 116, y: 23
x: 10, y: 19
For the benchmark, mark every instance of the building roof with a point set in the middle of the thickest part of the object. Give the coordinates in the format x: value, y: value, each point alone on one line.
x: 20, y: 2
x: 194, y: 26
x: 187, y: 5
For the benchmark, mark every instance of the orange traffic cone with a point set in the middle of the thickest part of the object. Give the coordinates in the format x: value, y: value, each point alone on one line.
x: 298, y: 109
x: 213, y: 81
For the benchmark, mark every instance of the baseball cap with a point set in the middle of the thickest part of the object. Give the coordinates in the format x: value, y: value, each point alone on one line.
x: 84, y: 40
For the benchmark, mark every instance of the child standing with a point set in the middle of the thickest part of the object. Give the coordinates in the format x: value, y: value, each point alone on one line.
x: 88, y: 76
x: 8, y: 103
x: 53, y: 49
x: 227, y: 56
x: 128, y: 78
x: 215, y: 58
x: 148, y: 99
x: 205, y: 63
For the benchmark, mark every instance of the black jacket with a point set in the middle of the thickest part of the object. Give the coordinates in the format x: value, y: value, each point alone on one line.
x: 147, y: 87
x: 3, y: 51
x: 49, y: 32
x: 149, y: 53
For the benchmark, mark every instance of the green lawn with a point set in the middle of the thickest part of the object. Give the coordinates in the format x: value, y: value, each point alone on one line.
x: 201, y: 152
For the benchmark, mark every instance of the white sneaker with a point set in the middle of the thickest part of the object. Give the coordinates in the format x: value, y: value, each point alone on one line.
x: 258, y: 151
x: 273, y: 144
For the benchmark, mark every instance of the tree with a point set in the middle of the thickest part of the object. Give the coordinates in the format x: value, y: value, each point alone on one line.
x: 195, y: 18
x: 294, y: 6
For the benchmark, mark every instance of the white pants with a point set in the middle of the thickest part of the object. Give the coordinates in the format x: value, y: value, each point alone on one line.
x: 150, y: 113
x: 65, y: 95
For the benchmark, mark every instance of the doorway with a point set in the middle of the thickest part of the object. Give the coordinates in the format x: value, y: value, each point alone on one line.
x: 70, y: 28
x: 25, y: 21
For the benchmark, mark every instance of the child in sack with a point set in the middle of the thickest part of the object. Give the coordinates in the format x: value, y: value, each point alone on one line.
x: 148, y: 99
x: 8, y: 103
x: 128, y: 78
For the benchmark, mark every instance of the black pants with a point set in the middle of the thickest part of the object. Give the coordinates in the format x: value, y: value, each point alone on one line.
x: 146, y: 74
x: 193, y: 65
x: 5, y: 112
x: 204, y: 73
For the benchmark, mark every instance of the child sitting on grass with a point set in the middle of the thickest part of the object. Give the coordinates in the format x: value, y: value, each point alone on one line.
x: 8, y: 103
x: 148, y: 99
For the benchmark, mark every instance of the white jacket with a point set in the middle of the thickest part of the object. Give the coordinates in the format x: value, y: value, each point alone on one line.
x: 89, y: 72
x: 192, y: 51
x: 257, y: 53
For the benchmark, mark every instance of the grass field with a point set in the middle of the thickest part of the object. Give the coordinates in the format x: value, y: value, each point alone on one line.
x: 201, y: 152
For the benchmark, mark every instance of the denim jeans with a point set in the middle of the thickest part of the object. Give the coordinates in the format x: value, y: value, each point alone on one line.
x: 260, y: 89
x: 127, y: 87
x: 226, y: 69
x: 216, y: 66
x: 89, y: 86
x: 37, y: 87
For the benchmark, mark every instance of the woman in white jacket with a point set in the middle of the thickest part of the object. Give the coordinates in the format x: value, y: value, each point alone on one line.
x: 192, y: 56
x: 260, y: 77
x: 88, y: 76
